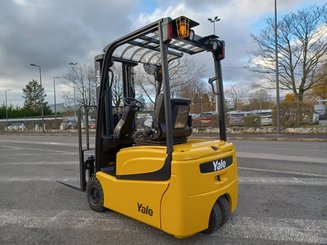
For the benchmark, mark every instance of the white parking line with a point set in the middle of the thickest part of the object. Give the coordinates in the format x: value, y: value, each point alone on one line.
x: 282, y: 181
x: 276, y: 229
x: 42, y: 154
x: 38, y: 142
x: 32, y: 149
x: 283, y: 172
x: 266, y: 228
x: 269, y: 156
x: 36, y: 179
x: 42, y: 163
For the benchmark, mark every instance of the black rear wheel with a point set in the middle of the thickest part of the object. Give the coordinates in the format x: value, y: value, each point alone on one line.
x: 95, y: 195
x: 215, y: 220
x: 219, y: 215
x: 225, y: 209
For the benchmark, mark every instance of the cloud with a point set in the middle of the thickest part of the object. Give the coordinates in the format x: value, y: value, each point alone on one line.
x: 238, y: 20
x: 53, y: 33
x: 234, y: 28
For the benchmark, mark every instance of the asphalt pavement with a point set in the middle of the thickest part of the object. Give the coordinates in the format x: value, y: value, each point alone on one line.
x: 282, y: 196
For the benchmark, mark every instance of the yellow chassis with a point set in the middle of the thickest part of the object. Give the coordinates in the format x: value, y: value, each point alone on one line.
x: 181, y: 205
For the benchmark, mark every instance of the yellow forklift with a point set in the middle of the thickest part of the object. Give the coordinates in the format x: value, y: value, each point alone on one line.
x: 157, y: 175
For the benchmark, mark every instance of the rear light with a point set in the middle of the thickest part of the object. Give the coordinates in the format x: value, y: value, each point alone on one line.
x: 167, y: 30
x: 221, y: 50
x: 170, y: 31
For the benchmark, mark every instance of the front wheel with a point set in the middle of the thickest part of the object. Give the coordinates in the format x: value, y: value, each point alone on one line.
x: 94, y: 194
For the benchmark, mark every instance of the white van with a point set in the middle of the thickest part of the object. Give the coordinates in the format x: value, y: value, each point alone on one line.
x: 265, y: 115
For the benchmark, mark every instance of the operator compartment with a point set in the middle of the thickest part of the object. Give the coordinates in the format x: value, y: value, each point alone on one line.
x: 203, y: 166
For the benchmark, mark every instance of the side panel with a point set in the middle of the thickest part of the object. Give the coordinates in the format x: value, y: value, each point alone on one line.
x: 137, y: 199
x: 140, y: 160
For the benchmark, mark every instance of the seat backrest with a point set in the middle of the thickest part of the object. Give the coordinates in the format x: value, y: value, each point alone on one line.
x: 181, y: 121
x: 124, y: 127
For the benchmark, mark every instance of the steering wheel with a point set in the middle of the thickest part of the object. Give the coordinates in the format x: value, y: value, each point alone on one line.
x: 133, y: 104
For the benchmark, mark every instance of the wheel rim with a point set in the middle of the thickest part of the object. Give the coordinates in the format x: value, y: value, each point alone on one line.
x: 94, y: 195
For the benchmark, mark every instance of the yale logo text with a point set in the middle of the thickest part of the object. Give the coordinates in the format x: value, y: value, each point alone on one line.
x: 144, y: 209
x: 219, y: 164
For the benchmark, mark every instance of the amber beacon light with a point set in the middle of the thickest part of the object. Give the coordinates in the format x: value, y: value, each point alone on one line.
x: 183, y: 27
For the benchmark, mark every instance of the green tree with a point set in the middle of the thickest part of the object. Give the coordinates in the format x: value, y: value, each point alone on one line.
x: 288, y: 111
x: 34, y: 96
x: 3, y: 111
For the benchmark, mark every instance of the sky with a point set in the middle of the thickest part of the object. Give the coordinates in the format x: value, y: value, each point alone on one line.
x: 52, y: 33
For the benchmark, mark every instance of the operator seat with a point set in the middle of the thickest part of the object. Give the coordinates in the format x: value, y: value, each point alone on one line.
x: 123, y: 129
x: 121, y: 137
x: 181, y: 122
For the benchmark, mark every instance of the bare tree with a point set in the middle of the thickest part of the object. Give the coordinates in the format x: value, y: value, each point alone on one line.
x: 145, y: 84
x: 182, y: 72
x: 117, y: 86
x: 260, y: 99
x: 302, y: 45
x: 81, y: 78
x: 235, y: 96
x: 198, y: 92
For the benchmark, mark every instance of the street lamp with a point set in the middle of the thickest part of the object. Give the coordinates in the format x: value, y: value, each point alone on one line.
x: 214, y: 20
x: 54, y: 96
x: 277, y: 72
x: 42, y: 114
x: 6, y: 90
x: 73, y: 64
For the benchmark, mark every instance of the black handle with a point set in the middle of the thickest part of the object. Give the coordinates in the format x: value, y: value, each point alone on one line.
x: 210, y: 81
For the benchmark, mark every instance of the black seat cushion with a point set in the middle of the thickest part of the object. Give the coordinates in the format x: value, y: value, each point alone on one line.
x: 181, y: 122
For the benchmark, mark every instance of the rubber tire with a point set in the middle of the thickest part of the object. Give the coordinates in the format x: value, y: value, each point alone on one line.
x: 94, y: 194
x: 215, y: 220
x: 225, y: 209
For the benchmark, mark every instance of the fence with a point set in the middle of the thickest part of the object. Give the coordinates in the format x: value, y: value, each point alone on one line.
x: 31, y: 124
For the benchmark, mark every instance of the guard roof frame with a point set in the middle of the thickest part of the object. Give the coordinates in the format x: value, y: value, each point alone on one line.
x: 154, y: 38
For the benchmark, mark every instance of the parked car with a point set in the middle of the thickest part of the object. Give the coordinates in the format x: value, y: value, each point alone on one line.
x: 315, y: 118
x: 194, y: 116
x: 92, y: 124
x: 206, y: 118
x: 17, y: 127
x: 265, y: 115
x: 70, y: 124
x: 320, y: 109
x: 235, y: 118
